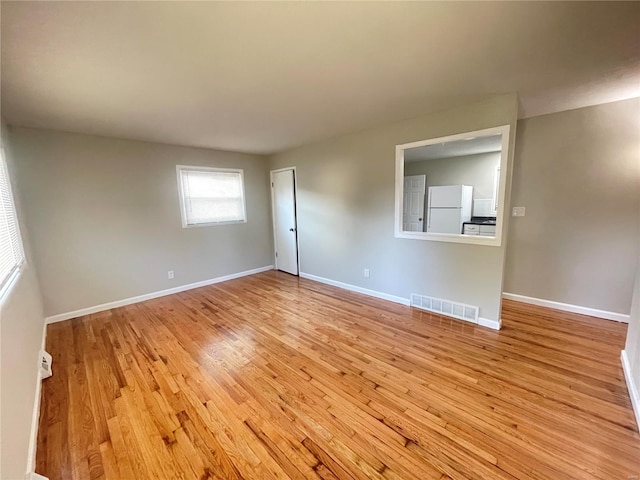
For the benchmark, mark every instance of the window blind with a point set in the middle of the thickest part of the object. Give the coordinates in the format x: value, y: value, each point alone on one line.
x: 11, y: 250
x: 211, y: 196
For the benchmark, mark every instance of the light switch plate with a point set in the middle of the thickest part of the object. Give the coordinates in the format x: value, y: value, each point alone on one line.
x: 518, y: 211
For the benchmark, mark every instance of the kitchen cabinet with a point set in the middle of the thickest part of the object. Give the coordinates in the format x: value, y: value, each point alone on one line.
x: 480, y: 230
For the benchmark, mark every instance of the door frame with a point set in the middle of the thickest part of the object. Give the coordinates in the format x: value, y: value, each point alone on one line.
x: 295, y: 209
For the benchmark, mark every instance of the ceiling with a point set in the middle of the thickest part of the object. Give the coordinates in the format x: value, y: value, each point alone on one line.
x: 456, y: 148
x: 264, y: 77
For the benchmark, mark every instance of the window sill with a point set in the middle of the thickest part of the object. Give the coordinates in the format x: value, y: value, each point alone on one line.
x: 7, y: 288
x: 213, y: 224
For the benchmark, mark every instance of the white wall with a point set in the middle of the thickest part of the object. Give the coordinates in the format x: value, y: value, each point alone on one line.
x: 346, y: 213
x: 578, y: 175
x: 105, y: 217
x: 21, y: 333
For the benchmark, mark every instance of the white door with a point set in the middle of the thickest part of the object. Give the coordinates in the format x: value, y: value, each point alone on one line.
x: 444, y: 220
x: 283, y: 200
x: 413, y: 203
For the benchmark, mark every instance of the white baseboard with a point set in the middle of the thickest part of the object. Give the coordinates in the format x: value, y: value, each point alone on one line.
x: 618, y: 317
x: 631, y: 386
x: 35, y: 476
x: 353, y: 288
x: 486, y: 322
x: 35, y: 421
x: 148, y: 296
x: 35, y: 416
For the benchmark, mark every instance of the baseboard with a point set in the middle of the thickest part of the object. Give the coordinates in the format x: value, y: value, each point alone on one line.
x: 486, y: 322
x: 631, y: 386
x: 35, y: 476
x: 354, y: 288
x: 35, y: 421
x: 148, y: 296
x: 618, y: 317
x: 35, y: 417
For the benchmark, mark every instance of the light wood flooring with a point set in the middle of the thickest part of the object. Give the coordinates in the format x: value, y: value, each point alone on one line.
x: 271, y: 376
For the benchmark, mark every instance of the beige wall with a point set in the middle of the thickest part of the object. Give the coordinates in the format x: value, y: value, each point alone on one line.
x: 105, y: 217
x: 21, y: 330
x: 346, y: 213
x: 578, y: 175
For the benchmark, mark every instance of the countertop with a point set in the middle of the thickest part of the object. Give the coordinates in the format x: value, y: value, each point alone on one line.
x: 481, y: 221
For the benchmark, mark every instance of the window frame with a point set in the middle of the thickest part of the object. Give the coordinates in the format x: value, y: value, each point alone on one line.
x: 504, y: 184
x: 7, y: 283
x: 194, y: 168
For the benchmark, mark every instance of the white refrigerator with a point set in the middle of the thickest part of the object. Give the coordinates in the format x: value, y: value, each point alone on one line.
x: 448, y: 208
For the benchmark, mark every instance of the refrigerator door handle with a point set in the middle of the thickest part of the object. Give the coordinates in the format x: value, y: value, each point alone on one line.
x: 429, y: 211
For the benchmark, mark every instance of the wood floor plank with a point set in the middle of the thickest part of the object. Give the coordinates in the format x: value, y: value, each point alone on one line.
x: 275, y: 377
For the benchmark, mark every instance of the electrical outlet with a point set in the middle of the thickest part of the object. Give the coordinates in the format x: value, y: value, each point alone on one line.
x: 518, y: 212
x: 366, y: 273
x: 170, y: 274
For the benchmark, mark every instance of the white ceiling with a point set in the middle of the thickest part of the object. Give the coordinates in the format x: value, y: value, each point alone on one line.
x: 457, y: 148
x: 263, y: 77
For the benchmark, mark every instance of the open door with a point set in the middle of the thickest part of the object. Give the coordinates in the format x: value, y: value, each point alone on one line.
x: 285, y: 227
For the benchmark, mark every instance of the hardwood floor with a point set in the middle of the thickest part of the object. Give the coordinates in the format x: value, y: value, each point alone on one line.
x: 271, y: 376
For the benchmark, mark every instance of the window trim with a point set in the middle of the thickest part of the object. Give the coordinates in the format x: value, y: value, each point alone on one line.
x: 194, y: 168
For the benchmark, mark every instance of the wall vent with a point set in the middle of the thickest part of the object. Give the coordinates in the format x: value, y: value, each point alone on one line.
x: 45, y: 365
x: 462, y: 311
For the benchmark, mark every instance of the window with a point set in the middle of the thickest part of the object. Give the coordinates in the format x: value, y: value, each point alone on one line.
x: 11, y: 251
x: 210, y: 196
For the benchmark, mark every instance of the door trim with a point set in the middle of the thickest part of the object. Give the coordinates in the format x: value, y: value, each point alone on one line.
x: 273, y: 217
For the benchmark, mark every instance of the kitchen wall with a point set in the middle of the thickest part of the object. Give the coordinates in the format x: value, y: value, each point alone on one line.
x: 477, y: 170
x: 21, y: 333
x: 578, y: 175
x: 346, y: 213
x: 105, y: 217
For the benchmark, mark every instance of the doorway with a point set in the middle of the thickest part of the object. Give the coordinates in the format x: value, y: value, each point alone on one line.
x: 285, y: 224
x: 413, y: 203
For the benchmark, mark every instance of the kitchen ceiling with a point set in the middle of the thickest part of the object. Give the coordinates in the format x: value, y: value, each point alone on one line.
x: 263, y: 77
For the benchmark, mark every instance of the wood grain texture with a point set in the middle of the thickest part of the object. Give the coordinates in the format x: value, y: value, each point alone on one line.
x: 274, y: 377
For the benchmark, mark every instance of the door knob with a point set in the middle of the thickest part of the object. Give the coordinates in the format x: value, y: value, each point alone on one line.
x: 419, y: 219
x: 292, y: 229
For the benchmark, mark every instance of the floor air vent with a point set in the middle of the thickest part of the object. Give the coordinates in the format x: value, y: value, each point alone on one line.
x: 445, y: 307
